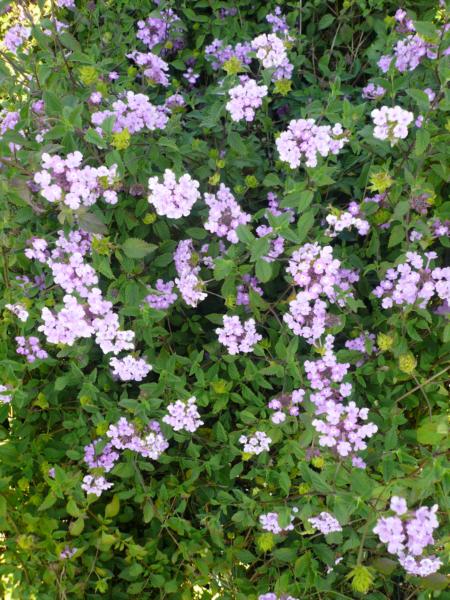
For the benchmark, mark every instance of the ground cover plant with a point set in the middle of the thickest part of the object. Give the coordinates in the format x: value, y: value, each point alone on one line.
x: 225, y: 335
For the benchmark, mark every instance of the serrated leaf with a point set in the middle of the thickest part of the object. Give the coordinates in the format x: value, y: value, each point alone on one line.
x: 137, y: 248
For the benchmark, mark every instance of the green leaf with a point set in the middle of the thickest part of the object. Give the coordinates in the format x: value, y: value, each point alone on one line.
x: 76, y: 527
x: 397, y: 235
x: 93, y: 137
x: 422, y: 141
x: 304, y: 224
x: 137, y: 248
x: 263, y: 270
x: 113, y: 507
x: 326, y: 21
x: 433, y: 430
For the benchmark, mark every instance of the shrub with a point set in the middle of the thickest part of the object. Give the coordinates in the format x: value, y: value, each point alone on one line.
x: 225, y: 327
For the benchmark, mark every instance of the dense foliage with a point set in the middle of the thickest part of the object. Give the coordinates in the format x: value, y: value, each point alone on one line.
x: 225, y: 335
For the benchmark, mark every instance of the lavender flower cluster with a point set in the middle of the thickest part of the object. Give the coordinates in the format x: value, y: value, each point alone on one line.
x: 414, y: 282
x: 133, y: 112
x: 319, y: 275
x: 270, y: 522
x: 188, y: 268
x: 347, y: 220
x: 183, y: 416
x: 305, y: 141
x: 255, y: 444
x: 245, y: 98
x: 408, y: 534
x: 325, y: 523
x: 171, y: 198
x: 102, y: 457
x: 391, y: 123
x: 341, y: 426
x: 85, y: 312
x: 225, y: 215
x: 236, y: 336
x: 67, y: 181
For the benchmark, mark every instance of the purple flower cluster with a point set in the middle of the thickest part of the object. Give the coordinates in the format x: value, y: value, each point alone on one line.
x: 245, y: 98
x: 133, y: 112
x: 270, y: 522
x: 5, y: 395
x: 243, y: 290
x: 95, y: 484
x: 67, y: 552
x: 286, y: 404
x: 30, y: 348
x: 408, y: 537
x: 304, y: 140
x: 315, y: 270
x: 325, y: 523
x: 318, y: 274
x: 163, y: 296
x: 225, y: 215
x: 8, y: 122
x: 391, y: 123
x: 278, y: 21
x: 156, y: 30
x: 413, y: 282
x: 19, y: 310
x: 257, y: 443
x: 410, y: 51
x: 346, y: 220
x: 271, y: 52
x: 187, y: 265
x: 183, y: 416
x: 15, y: 37
x: 341, y: 426
x: 85, y: 312
x: 67, y: 181
x: 129, y: 368
x: 102, y: 457
x: 220, y: 54
x: 171, y: 198
x: 272, y: 596
x: 154, y: 67
x: 373, y: 92
x: 238, y: 337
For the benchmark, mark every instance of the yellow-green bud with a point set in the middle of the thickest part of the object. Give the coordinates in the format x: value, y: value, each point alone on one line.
x: 220, y: 164
x: 220, y: 386
x: 102, y: 428
x: 407, y: 363
x: 380, y: 182
x: 265, y: 542
x: 149, y: 218
x: 88, y: 75
x: 304, y: 488
x: 362, y: 579
x: 385, y: 342
x: 283, y: 86
x: 318, y: 462
x: 132, y: 71
x: 233, y: 66
x: 101, y: 245
x: 251, y: 181
x: 214, y: 179
x: 121, y: 139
